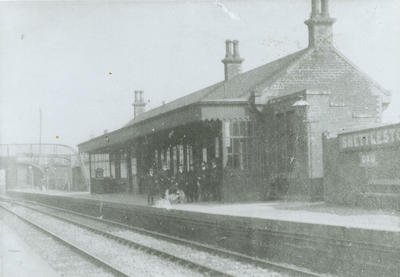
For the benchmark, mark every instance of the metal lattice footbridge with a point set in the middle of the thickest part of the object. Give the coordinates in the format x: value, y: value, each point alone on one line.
x: 45, y: 158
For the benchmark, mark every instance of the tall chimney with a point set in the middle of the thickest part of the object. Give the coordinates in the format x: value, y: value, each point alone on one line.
x: 139, y: 105
x: 232, y: 61
x: 319, y: 24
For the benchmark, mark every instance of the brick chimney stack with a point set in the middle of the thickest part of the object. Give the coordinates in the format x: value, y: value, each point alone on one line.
x: 139, y: 106
x: 320, y: 25
x: 232, y: 61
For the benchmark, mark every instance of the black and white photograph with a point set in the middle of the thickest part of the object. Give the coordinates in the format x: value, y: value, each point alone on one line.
x: 173, y: 138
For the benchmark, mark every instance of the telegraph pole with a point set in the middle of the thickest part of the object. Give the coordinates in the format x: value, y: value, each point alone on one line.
x: 40, y: 131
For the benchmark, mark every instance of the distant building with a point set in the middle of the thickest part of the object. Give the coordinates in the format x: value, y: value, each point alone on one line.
x: 263, y: 126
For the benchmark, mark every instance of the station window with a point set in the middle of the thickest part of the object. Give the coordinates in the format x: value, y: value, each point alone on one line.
x: 100, y: 161
x: 134, y: 166
x: 181, y: 155
x: 124, y: 165
x: 189, y: 156
x: 168, y: 156
x: 162, y: 158
x: 239, y: 137
x: 112, y: 165
x: 204, y: 154
x: 155, y: 163
x: 117, y: 163
x: 174, y: 159
x: 217, y: 149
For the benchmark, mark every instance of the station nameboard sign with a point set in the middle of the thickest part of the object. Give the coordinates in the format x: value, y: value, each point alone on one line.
x: 372, y: 137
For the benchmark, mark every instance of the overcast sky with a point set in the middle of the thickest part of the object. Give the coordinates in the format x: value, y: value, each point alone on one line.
x: 58, y: 56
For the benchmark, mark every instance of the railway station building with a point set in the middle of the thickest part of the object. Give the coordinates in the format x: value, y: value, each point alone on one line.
x: 264, y: 127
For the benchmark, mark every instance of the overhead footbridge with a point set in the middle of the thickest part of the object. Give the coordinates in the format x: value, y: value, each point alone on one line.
x: 42, y: 166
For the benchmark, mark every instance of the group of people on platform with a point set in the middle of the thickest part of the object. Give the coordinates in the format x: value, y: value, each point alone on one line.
x: 196, y: 184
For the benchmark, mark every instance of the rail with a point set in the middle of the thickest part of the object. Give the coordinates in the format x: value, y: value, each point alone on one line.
x: 292, y: 270
x: 97, y: 260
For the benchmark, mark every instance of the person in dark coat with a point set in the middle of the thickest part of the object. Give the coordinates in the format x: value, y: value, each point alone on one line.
x: 203, y: 182
x: 192, y: 189
x: 151, y: 186
x: 215, y: 182
x: 164, y: 180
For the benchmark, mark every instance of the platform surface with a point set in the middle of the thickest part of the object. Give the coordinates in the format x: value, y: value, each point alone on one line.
x: 17, y: 259
x: 314, y: 213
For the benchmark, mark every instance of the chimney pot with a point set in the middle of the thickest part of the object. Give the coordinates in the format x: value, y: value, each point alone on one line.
x: 228, y: 45
x: 236, y: 49
x: 325, y: 8
x: 315, y: 8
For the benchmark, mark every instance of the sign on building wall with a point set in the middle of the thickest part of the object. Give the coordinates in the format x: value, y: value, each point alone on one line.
x: 372, y: 137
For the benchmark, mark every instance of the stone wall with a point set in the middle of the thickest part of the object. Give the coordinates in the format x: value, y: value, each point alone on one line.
x: 328, y: 249
x: 362, y: 168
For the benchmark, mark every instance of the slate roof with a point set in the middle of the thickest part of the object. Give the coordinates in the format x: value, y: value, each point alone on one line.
x: 237, y: 87
x: 305, y: 69
x: 328, y: 70
x: 308, y: 69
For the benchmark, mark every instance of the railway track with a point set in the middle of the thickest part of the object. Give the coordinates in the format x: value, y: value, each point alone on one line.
x: 200, y: 258
x: 60, y: 253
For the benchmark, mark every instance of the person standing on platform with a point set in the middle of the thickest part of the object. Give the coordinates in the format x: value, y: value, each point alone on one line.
x: 180, y: 179
x: 164, y: 180
x: 215, y: 182
x: 172, y: 193
x: 192, y: 192
x: 151, y: 185
x: 203, y: 182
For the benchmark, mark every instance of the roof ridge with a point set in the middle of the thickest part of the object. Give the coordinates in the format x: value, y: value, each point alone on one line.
x: 365, y: 75
x: 287, y: 69
x: 209, y: 90
x: 272, y: 62
x: 296, y: 56
x: 212, y: 88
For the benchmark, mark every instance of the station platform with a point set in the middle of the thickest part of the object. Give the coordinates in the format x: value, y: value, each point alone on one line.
x: 17, y: 259
x: 302, y: 212
x: 328, y: 240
